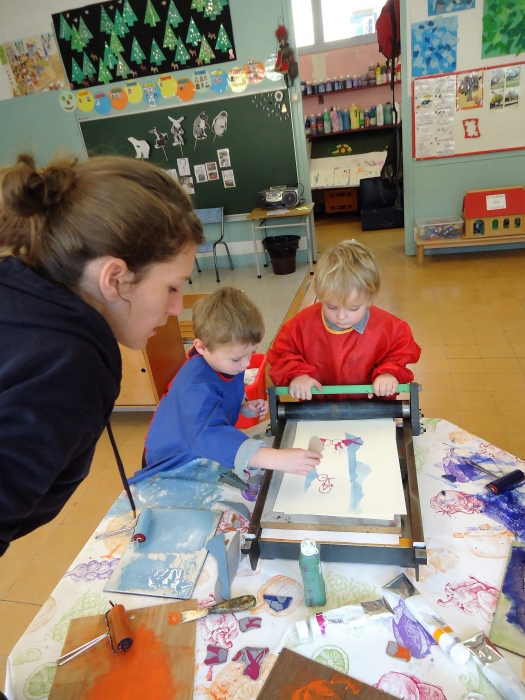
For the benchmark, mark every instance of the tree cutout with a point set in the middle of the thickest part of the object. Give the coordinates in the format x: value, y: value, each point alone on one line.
x: 137, y: 54
x: 76, y: 40
x: 128, y: 15
x: 212, y: 9
x: 194, y: 36
x: 115, y: 44
x: 156, y: 55
x: 77, y: 74
x: 84, y: 32
x: 181, y: 55
x: 104, y: 76
x: 121, y: 28
x: 122, y: 68
x: 65, y: 29
x: 151, y: 16
x: 205, y: 54
x: 88, y: 68
x: 174, y: 17
x: 170, y: 40
x: 106, y: 25
x: 198, y: 5
x: 223, y: 40
x: 223, y: 2
x: 109, y: 58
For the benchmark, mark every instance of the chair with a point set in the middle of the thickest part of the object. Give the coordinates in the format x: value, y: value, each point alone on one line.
x: 214, y: 215
x: 186, y: 327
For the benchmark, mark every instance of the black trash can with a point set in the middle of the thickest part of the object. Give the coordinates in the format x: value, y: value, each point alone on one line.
x: 281, y: 250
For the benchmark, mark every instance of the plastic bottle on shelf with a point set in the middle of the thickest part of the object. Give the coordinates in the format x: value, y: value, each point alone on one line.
x: 346, y: 120
x: 320, y: 123
x: 303, y: 88
x: 387, y: 113
x: 371, y: 71
x: 398, y: 71
x: 334, y: 117
x: 336, y: 84
x: 309, y: 90
x: 329, y: 85
x: 307, y: 126
x: 315, y: 88
x: 367, y: 120
x: 356, y: 81
x: 389, y: 73
x: 380, y: 116
x: 313, y: 125
x: 342, y: 82
x: 373, y: 116
x: 348, y: 82
x: 383, y: 74
x: 321, y: 87
x: 327, y: 122
x: 378, y: 74
x: 340, y: 115
x: 354, y: 117
x: 398, y: 112
x: 361, y: 119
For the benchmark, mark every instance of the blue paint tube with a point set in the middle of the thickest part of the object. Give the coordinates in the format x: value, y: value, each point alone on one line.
x: 310, y: 566
x: 495, y: 667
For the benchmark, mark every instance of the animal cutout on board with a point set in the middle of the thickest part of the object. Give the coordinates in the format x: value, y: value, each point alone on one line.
x: 199, y: 128
x: 142, y: 148
x: 178, y: 132
x: 160, y: 139
x: 220, y: 124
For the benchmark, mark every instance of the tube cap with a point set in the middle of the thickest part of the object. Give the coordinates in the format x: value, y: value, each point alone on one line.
x: 459, y: 653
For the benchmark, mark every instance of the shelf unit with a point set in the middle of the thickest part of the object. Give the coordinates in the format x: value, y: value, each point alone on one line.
x: 321, y: 95
x: 352, y: 131
x: 462, y: 243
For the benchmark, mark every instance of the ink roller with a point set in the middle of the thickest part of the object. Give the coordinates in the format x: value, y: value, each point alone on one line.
x: 118, y: 631
x: 140, y: 529
x: 502, y: 483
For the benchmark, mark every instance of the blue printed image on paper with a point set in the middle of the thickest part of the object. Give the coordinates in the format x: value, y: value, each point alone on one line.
x: 438, y: 7
x: 434, y: 46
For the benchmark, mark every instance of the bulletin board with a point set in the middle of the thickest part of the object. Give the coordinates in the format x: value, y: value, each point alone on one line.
x: 469, y: 112
x: 259, y: 139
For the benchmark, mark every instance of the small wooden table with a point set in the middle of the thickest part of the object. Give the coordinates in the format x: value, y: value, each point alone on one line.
x: 303, y: 212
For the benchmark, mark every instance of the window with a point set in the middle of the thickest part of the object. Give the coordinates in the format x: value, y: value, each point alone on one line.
x: 495, y: 224
x: 479, y: 227
x: 506, y: 223
x: 517, y: 222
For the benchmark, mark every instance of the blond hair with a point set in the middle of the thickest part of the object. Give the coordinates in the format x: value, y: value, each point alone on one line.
x: 227, y: 317
x: 58, y: 218
x: 346, y: 269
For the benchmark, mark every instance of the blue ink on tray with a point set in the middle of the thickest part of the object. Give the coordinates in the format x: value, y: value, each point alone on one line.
x: 358, y: 471
x: 513, y: 587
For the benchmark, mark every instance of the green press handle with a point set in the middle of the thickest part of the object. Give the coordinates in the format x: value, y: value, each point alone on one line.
x: 345, y: 389
x: 243, y: 602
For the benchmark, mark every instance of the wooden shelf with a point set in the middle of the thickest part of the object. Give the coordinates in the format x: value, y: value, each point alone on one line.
x: 463, y: 243
x: 322, y: 95
x: 352, y: 131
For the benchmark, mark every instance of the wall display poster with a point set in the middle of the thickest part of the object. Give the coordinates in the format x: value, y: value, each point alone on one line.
x: 228, y: 178
x: 187, y: 184
x: 33, y: 65
x: 212, y: 170
x: 469, y: 90
x: 434, y: 107
x: 438, y: 7
x: 201, y: 174
x: 183, y: 164
x: 434, y: 46
x: 111, y: 41
x: 503, y: 28
x: 223, y: 154
x: 504, y: 87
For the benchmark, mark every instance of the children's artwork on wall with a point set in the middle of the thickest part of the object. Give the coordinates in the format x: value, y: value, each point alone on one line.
x: 85, y: 101
x: 469, y: 90
x: 177, y: 131
x: 502, y: 28
x: 185, y: 89
x: 201, y: 174
x: 141, y: 147
x: 150, y: 93
x: 223, y: 154
x: 228, y: 178
x: 199, y: 128
x: 161, y: 139
x: 134, y: 91
x: 102, y: 103
x: 156, y: 36
x: 183, y: 165
x: 358, y: 476
x: 220, y: 124
x: 201, y: 80
x: 118, y: 98
x: 168, y: 86
x: 212, y: 170
x: 471, y: 128
x: 33, y: 65
x: 219, y: 81
x: 187, y: 184
x: 434, y: 46
x: 271, y: 103
x: 67, y: 100
x: 237, y: 80
x: 254, y: 69
x: 508, y: 625
x: 438, y: 7
x: 505, y: 87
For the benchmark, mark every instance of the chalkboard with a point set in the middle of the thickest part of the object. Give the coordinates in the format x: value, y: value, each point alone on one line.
x: 259, y: 137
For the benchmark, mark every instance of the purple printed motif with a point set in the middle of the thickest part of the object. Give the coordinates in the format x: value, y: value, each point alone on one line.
x: 252, y: 658
x: 409, y: 633
x: 249, y: 623
x: 456, y: 465
x: 278, y: 602
x: 93, y: 570
x: 402, y: 685
x: 215, y: 655
x: 513, y: 587
x: 471, y: 597
x: 254, y: 484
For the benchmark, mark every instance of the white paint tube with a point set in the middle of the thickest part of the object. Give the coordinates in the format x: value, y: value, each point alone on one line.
x: 429, y: 619
x: 495, y: 667
x: 347, y: 617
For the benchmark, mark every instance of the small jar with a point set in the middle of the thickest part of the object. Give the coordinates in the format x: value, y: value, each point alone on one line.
x: 348, y: 83
x: 321, y: 88
x: 309, y: 89
x: 329, y: 85
x: 303, y: 88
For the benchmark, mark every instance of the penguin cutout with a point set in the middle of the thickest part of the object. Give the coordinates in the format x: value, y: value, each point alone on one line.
x: 102, y: 103
x: 220, y: 124
x: 199, y: 128
x: 160, y: 139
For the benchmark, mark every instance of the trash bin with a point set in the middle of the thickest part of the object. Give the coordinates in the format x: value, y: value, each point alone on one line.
x: 281, y: 250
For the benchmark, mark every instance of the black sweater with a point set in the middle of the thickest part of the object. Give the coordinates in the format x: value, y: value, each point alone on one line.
x: 60, y: 372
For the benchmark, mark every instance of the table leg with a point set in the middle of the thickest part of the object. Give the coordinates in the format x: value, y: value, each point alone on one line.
x: 313, y: 237
x: 256, y: 252
x: 309, y: 247
x: 263, y: 223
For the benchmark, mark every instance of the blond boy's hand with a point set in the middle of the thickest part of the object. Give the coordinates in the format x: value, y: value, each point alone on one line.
x: 292, y: 460
x: 301, y: 387
x: 384, y: 385
x: 257, y: 408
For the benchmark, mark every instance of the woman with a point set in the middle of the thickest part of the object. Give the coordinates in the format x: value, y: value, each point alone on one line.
x: 97, y: 253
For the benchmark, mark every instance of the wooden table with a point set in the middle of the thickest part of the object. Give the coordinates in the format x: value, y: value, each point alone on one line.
x: 304, y: 212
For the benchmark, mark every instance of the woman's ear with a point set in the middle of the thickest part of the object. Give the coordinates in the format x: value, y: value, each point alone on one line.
x: 112, y: 274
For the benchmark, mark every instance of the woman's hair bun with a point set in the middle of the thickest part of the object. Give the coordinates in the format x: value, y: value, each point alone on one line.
x: 26, y: 191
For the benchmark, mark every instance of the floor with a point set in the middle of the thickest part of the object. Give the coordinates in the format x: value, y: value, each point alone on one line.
x: 467, y: 311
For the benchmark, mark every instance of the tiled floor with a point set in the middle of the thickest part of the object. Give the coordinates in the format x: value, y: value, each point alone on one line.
x: 466, y: 311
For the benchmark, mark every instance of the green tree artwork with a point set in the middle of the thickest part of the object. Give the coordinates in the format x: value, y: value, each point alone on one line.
x: 109, y: 58
x: 137, y: 54
x: 84, y: 32
x: 76, y: 40
x: 104, y: 76
x: 121, y: 28
x: 65, y: 29
x: 223, y: 40
x: 122, y: 68
x: 115, y: 44
x: 88, y: 68
x: 181, y: 55
x: 205, y: 54
x: 156, y: 55
x: 503, y: 28
x: 194, y: 36
x: 198, y: 5
x: 174, y: 17
x: 151, y: 16
x: 212, y: 9
x: 128, y: 15
x: 170, y: 40
x: 106, y: 25
x: 77, y: 74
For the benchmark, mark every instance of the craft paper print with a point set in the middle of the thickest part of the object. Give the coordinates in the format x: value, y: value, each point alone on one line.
x: 469, y: 90
x: 187, y: 184
x: 438, y: 7
x: 183, y: 166
x: 212, y: 170
x: 502, y: 20
x: 512, y: 96
x: 142, y: 148
x: 33, y: 65
x: 201, y: 174
x: 223, y: 154
x: 434, y: 44
x: 471, y: 128
x: 228, y: 178
x: 177, y: 132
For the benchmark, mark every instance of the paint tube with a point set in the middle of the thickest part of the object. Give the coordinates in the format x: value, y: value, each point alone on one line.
x: 429, y: 619
x: 495, y: 667
x: 348, y: 617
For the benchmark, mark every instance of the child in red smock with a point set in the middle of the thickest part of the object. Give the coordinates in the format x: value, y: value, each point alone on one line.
x: 343, y: 338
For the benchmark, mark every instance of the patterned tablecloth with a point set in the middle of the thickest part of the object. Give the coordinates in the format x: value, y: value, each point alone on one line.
x: 467, y: 532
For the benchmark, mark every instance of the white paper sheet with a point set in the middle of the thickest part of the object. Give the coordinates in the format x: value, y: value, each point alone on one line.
x: 359, y: 475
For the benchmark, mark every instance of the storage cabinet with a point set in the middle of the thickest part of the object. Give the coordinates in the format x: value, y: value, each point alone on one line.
x: 341, y: 199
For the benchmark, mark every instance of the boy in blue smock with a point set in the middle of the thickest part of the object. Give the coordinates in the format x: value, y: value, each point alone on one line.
x: 196, y: 418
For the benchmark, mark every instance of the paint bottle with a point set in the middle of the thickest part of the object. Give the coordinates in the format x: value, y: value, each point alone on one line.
x: 383, y: 74
x: 398, y: 112
x: 346, y: 120
x: 361, y: 119
x: 387, y: 113
x: 398, y: 71
x: 367, y: 120
x: 379, y: 115
x: 373, y: 116
x: 340, y: 115
x: 308, y: 90
x: 313, y: 125
x: 307, y: 130
x: 327, y: 123
x: 354, y: 117
x: 320, y: 123
x: 378, y: 74
x: 310, y: 566
x: 329, y: 86
x: 321, y: 88
x: 348, y: 84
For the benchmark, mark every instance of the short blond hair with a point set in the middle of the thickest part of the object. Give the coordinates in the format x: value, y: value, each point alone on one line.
x: 345, y: 269
x: 227, y: 317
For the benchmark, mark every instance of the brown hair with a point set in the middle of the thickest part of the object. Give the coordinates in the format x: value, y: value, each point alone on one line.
x: 60, y: 217
x: 227, y: 317
x: 345, y: 269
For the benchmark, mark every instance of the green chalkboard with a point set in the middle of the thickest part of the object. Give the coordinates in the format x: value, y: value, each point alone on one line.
x: 259, y: 137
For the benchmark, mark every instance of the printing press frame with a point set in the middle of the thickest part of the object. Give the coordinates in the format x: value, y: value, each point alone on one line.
x: 411, y: 550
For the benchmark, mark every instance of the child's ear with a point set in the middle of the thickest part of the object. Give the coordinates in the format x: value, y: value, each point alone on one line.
x: 199, y: 346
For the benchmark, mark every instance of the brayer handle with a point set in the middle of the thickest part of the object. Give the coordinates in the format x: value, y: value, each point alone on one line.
x: 346, y: 389
x: 243, y: 602
x: 507, y: 482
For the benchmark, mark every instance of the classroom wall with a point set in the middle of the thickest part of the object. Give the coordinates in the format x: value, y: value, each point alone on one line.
x: 37, y: 123
x: 436, y: 187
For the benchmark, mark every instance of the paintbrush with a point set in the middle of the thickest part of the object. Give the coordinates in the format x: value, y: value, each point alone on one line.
x: 243, y: 602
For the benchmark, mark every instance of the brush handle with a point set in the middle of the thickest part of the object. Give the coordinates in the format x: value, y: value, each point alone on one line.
x: 239, y: 604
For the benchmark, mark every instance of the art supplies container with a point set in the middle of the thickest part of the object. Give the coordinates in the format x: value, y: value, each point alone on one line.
x: 307, y: 127
x: 387, y: 113
x: 310, y: 566
x: 308, y: 89
x: 380, y: 116
x: 256, y: 390
x: 439, y: 227
x: 354, y: 117
x: 349, y: 84
x: 361, y: 119
x: 321, y: 88
x: 329, y: 86
x: 327, y: 122
x: 346, y: 120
